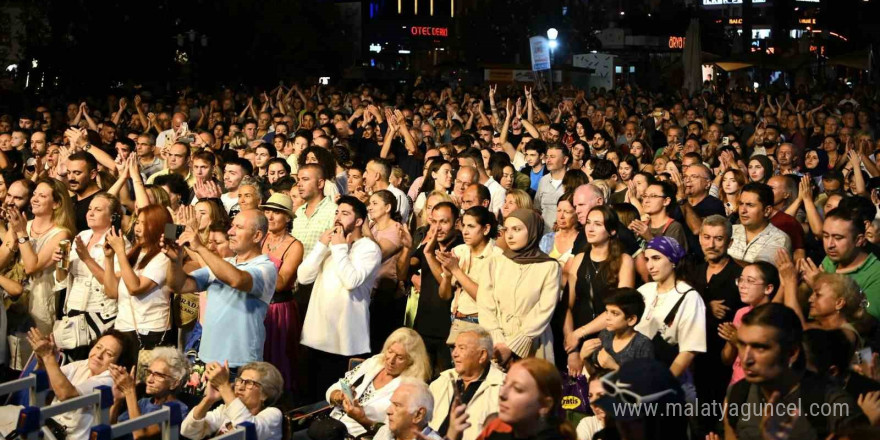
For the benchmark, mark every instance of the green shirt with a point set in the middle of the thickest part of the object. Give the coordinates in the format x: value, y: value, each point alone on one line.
x: 867, y: 276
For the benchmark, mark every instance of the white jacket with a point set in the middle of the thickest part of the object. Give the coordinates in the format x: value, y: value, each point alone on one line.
x: 482, y: 405
x: 375, y: 405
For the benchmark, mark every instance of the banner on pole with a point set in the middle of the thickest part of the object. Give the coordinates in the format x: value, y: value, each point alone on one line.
x: 540, y: 50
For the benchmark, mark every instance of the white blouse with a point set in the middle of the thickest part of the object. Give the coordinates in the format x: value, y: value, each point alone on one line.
x: 688, y: 328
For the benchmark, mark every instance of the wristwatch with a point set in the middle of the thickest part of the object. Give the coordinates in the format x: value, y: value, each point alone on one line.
x: 87, y: 147
x: 22, y: 240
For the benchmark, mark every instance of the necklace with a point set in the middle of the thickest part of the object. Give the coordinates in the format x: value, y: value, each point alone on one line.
x: 36, y: 234
x: 277, y: 243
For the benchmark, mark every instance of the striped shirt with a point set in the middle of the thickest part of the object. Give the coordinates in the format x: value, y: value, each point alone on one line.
x: 309, y: 229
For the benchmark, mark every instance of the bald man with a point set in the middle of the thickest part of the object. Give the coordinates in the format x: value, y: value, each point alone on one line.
x: 239, y: 288
x: 176, y: 121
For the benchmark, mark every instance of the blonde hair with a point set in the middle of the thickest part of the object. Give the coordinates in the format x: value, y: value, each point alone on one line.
x: 62, y: 216
x: 521, y: 198
x: 846, y: 288
x: 417, y: 356
x: 444, y: 197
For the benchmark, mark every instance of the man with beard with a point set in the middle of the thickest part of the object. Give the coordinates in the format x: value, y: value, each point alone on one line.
x: 719, y: 291
x: 432, y: 320
x: 18, y: 198
x: 82, y: 173
x: 343, y: 265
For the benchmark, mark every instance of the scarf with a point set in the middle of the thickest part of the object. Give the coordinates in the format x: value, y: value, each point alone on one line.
x: 530, y: 253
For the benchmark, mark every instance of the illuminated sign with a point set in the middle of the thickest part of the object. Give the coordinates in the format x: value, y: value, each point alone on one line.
x: 427, y: 31
x: 728, y: 2
x: 807, y: 20
x: 676, y: 42
x: 376, y: 48
x: 734, y: 21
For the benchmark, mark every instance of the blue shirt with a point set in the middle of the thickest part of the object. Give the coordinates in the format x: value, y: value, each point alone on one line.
x: 233, y: 328
x: 535, y: 177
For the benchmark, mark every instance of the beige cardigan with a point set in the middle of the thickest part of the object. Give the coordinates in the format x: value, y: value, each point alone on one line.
x: 516, y: 303
x: 482, y: 405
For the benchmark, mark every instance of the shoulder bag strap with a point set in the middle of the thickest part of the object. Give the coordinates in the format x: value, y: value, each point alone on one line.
x: 670, y: 317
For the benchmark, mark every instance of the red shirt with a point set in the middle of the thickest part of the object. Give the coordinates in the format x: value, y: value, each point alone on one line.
x: 790, y: 226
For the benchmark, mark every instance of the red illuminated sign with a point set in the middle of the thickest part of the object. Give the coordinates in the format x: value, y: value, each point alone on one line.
x: 427, y: 31
x: 676, y: 42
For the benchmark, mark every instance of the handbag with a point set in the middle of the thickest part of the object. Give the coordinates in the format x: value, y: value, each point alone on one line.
x: 72, y: 331
x: 575, y: 392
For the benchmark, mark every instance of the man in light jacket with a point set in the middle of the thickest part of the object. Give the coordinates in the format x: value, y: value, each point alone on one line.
x: 477, y: 381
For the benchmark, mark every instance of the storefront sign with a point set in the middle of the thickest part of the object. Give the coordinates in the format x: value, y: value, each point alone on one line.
x: 428, y: 31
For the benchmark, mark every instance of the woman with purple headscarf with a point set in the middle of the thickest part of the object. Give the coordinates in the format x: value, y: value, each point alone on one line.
x: 675, y: 315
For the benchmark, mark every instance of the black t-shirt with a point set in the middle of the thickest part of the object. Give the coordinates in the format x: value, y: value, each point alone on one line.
x: 432, y: 320
x: 81, y: 209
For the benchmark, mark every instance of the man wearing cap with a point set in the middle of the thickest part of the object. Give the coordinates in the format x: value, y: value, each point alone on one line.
x: 627, y: 397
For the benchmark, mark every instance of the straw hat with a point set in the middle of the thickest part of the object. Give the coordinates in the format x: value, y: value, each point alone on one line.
x: 279, y: 202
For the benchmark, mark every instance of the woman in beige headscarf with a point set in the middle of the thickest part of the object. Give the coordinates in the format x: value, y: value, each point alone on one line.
x: 519, y: 291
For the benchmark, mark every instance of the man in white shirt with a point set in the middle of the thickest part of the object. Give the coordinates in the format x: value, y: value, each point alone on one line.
x: 343, y: 265
x: 472, y: 158
x: 167, y: 135
x: 376, y: 178
x: 474, y: 380
x: 550, y: 187
x: 412, y: 406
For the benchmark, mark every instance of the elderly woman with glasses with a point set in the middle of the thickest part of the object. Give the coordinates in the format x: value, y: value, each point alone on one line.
x: 247, y: 399
x: 167, y: 372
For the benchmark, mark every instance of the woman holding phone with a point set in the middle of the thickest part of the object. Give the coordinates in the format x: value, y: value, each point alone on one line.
x: 138, y: 278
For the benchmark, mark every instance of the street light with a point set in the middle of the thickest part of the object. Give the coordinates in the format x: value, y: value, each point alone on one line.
x: 552, y: 33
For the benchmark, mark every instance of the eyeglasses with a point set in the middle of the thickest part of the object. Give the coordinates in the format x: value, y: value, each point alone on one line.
x: 159, y: 375
x: 612, y: 389
x: 748, y: 282
x: 653, y: 196
x: 248, y: 384
x: 689, y: 178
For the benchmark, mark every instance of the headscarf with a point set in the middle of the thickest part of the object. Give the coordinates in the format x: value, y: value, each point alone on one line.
x: 822, y: 168
x: 668, y: 247
x: 530, y: 253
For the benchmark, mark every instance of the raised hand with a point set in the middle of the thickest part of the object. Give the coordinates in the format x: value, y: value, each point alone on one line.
x: 727, y: 331
x: 115, y: 240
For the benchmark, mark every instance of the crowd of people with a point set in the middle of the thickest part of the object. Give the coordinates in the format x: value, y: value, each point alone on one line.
x: 437, y: 263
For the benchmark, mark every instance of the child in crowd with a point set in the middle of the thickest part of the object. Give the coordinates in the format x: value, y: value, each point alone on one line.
x: 619, y: 342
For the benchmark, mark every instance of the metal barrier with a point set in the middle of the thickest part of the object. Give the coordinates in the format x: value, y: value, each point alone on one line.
x: 32, y: 418
x: 169, y: 418
x: 36, y: 383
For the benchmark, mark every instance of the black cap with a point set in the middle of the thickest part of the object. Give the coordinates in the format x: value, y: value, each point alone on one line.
x: 642, y: 377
